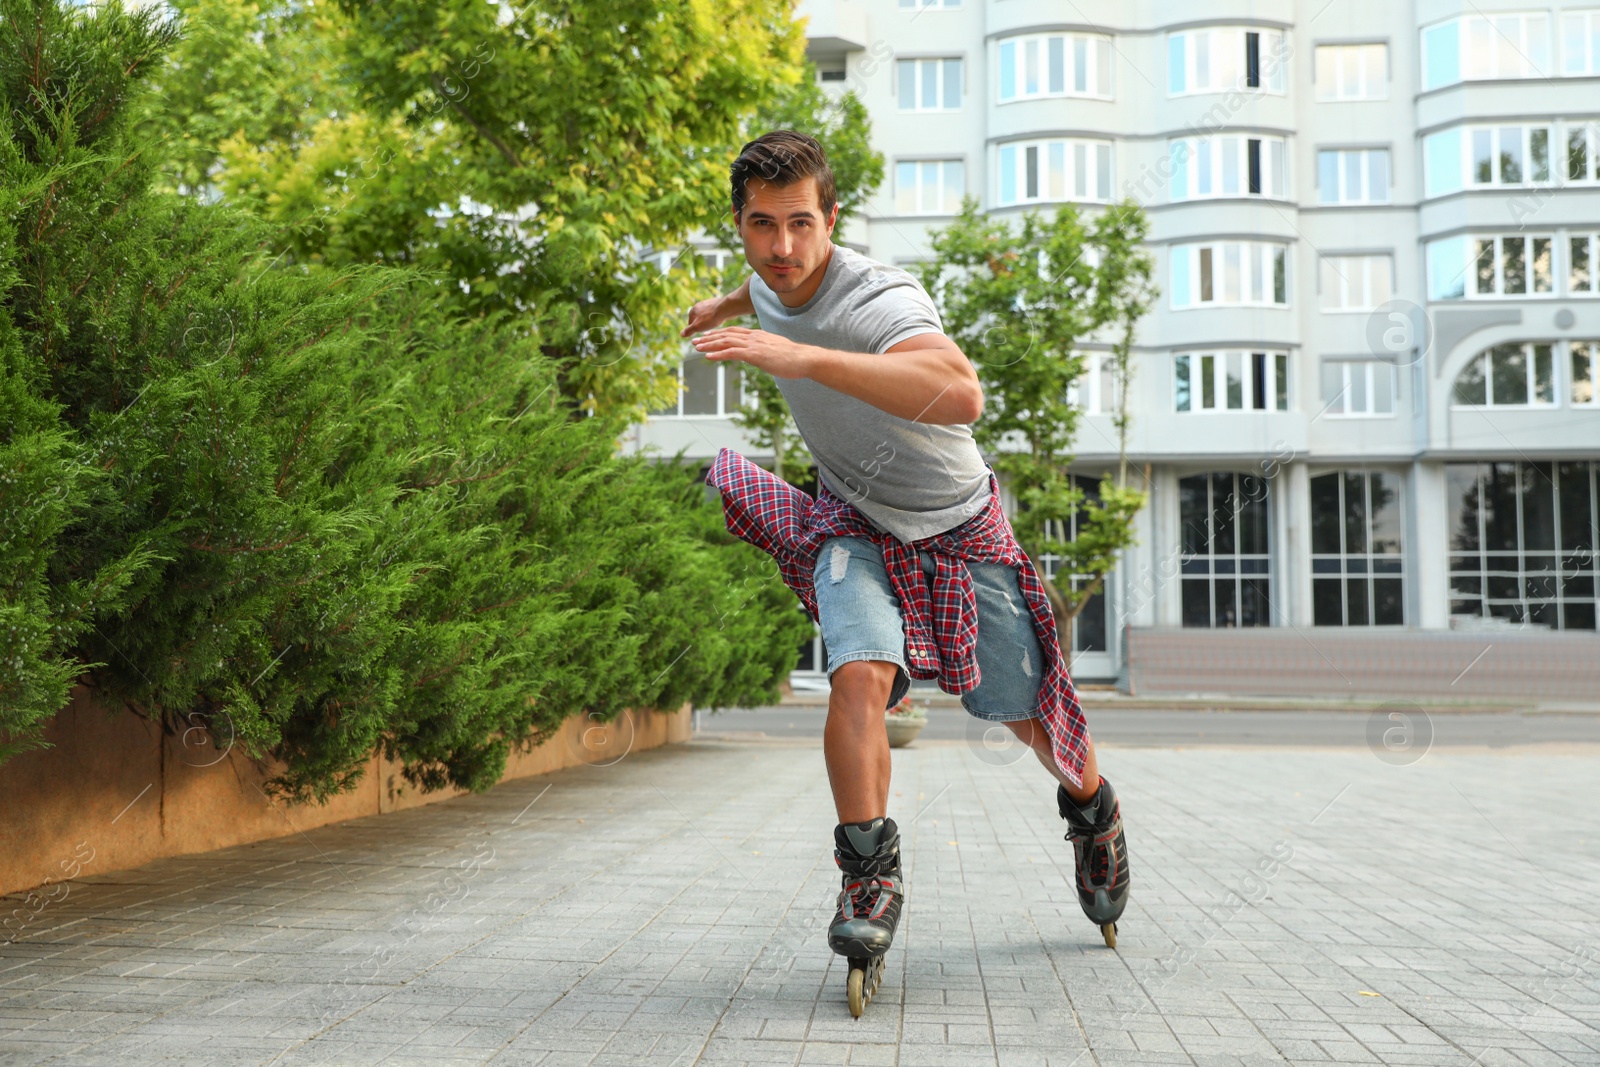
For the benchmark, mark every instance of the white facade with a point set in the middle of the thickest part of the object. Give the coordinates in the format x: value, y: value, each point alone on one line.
x: 1377, y: 236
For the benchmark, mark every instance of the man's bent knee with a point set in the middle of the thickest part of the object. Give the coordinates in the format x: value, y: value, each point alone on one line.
x: 865, y: 675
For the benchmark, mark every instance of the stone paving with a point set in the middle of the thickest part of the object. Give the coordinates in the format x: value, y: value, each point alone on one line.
x: 1298, y: 906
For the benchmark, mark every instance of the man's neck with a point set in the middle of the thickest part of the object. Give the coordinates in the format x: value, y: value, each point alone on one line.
x: 813, y: 283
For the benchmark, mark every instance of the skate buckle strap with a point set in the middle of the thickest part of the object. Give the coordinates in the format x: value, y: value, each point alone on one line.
x: 866, y: 866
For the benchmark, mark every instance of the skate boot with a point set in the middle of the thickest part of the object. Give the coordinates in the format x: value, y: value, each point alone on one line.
x: 869, y: 903
x: 1100, y: 854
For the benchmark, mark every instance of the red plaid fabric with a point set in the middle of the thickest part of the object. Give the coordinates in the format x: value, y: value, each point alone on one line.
x: 942, y: 623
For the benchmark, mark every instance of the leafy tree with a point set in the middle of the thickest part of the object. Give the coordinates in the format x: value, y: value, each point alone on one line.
x: 262, y: 73
x: 317, y: 510
x: 527, y: 154
x: 1019, y: 302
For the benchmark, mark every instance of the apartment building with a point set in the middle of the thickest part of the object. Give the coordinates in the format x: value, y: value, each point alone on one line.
x: 1367, y: 399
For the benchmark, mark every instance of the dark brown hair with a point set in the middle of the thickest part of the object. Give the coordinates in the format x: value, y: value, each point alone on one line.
x: 783, y: 157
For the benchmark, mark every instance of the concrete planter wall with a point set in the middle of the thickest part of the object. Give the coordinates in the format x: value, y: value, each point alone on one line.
x: 114, y: 793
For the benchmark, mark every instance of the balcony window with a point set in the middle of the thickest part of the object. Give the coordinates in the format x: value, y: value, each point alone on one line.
x: 1230, y: 381
x: 1243, y: 273
x: 1207, y: 167
x: 1054, y: 170
x: 1483, y: 47
x: 1511, y: 375
x: 1580, y: 43
x: 1486, y: 267
x: 1055, y: 65
x: 1224, y: 58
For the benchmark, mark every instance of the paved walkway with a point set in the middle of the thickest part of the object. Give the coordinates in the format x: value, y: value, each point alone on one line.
x: 1290, y: 906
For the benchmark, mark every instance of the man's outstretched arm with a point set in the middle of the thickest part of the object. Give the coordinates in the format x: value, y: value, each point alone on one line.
x: 928, y: 379
x: 716, y: 310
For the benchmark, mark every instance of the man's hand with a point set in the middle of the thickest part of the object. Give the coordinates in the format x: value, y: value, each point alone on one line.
x: 704, y: 315
x: 716, y: 310
x: 778, y: 356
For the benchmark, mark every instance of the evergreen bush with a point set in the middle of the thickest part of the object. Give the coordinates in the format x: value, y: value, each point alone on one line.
x: 315, y: 510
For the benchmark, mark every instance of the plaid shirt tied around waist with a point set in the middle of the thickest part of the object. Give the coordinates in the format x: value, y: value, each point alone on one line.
x: 941, y: 624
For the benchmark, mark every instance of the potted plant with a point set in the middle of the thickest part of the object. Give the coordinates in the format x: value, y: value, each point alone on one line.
x: 905, y: 721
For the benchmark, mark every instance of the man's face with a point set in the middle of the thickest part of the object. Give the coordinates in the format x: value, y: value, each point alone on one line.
x: 786, y: 236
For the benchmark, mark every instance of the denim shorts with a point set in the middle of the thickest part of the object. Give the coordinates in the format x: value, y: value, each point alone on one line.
x: 861, y: 619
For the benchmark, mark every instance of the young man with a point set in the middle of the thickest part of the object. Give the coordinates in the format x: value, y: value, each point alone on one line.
x: 905, y: 556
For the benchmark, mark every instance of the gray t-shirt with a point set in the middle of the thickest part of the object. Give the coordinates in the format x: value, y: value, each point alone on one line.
x: 910, y: 479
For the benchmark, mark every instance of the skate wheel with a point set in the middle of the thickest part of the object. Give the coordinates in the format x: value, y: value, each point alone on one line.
x: 855, y: 989
x: 865, y: 974
x: 1109, y: 932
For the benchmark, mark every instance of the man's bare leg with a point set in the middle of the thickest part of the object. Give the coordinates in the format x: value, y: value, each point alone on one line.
x: 855, y: 742
x: 1033, y: 734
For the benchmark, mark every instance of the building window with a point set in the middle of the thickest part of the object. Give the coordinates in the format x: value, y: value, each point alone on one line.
x: 1226, y: 567
x: 1583, y: 152
x: 1230, y: 272
x: 1356, y: 283
x: 1514, y: 375
x: 834, y: 73
x: 706, y: 388
x: 716, y: 259
x: 1055, y: 170
x: 1484, y: 47
x: 1357, y: 573
x: 1353, y: 176
x: 1223, y: 59
x: 1522, y: 542
x: 1506, y: 266
x: 1580, y: 42
x: 1486, y: 156
x: 1509, y: 155
x: 813, y: 651
x: 930, y: 84
x: 1089, y: 628
x: 1483, y: 157
x: 1231, y: 381
x: 1227, y: 166
x: 1358, y: 388
x: 1352, y: 71
x: 1055, y: 65
x: 929, y: 187
x: 1443, y: 167
x: 1585, y: 363
x: 1096, y: 391
x: 1582, y: 264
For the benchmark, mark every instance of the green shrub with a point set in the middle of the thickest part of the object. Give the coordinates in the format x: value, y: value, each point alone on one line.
x: 314, y: 507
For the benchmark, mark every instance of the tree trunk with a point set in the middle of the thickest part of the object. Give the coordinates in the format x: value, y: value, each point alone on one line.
x: 1065, y: 614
